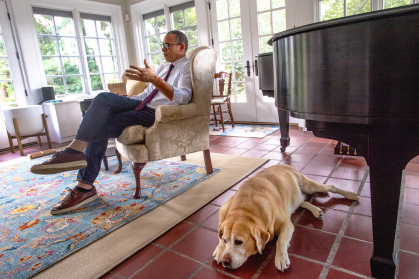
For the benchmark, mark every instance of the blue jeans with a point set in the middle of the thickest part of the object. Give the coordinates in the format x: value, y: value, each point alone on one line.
x: 107, y: 116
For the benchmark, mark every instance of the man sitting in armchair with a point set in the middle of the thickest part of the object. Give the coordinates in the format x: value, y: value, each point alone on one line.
x: 109, y: 114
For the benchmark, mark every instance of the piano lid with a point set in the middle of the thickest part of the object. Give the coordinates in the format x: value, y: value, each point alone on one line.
x: 360, y: 69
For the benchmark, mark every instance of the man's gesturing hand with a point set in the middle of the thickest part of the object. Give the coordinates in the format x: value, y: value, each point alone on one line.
x: 141, y: 74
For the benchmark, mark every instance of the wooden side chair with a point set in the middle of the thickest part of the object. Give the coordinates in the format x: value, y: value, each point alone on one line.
x: 222, y: 99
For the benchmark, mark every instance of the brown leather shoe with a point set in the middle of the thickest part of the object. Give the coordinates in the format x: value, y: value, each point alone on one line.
x: 60, y: 162
x: 74, y: 200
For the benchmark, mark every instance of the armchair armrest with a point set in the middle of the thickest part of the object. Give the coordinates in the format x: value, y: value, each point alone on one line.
x: 169, y: 113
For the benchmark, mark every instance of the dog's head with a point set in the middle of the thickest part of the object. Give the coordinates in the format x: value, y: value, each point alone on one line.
x: 242, y: 239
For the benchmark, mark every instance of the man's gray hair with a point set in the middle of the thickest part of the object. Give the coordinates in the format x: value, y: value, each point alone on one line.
x: 180, y: 38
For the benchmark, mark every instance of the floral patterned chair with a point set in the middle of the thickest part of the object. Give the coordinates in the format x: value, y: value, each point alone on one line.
x: 177, y: 130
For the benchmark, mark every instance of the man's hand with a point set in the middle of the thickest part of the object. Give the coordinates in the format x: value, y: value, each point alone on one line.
x: 141, y: 74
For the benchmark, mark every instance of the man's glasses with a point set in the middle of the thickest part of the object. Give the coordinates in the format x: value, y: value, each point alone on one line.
x: 167, y: 45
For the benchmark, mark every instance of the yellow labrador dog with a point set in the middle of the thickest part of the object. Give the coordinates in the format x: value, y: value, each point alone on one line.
x: 261, y: 209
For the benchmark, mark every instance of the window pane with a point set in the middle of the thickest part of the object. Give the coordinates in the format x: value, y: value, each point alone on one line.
x: 155, y: 58
x: 190, y: 16
x: 234, y: 8
x: 224, y: 31
x: 278, y: 3
x: 103, y: 29
x: 177, y: 18
x: 44, y: 24
x: 64, y: 26
x: 264, y: 21
x: 192, y: 36
x: 97, y: 83
x: 263, y: 5
x: 161, y: 24
x: 105, y: 47
x: 332, y: 9
x: 68, y: 46
x: 7, y: 93
x: 93, y: 64
x: 396, y: 3
x: 236, y: 28
x: 279, y: 23
x: 52, y: 66
x: 2, y: 51
x: 238, y: 50
x: 108, y: 64
x: 48, y: 45
x: 58, y: 85
x: 111, y: 78
x: 222, y: 11
x: 355, y: 7
x: 238, y: 71
x: 89, y: 29
x: 91, y: 46
x: 263, y: 44
x: 74, y: 84
x: 225, y: 52
x: 71, y: 65
x: 241, y: 92
x: 149, y: 26
x: 226, y: 67
x: 152, y: 44
x: 4, y: 69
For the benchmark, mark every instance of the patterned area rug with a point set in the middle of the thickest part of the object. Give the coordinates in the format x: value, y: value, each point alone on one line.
x: 243, y: 130
x: 31, y: 239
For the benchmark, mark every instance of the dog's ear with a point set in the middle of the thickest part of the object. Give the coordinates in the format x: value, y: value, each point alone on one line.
x: 261, y: 237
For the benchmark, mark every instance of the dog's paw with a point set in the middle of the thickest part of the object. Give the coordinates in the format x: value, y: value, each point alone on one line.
x: 318, y: 213
x: 218, y: 254
x: 352, y: 196
x: 282, y: 262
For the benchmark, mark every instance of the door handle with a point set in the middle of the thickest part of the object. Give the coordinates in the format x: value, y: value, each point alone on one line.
x: 256, y: 67
x: 248, y: 68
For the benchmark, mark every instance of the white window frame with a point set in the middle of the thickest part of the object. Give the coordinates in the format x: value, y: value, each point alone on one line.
x: 376, y: 5
x: 148, y: 6
x: 31, y: 53
x: 185, y: 28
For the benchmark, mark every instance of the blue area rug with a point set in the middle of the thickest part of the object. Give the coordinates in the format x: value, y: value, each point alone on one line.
x: 243, y: 130
x: 31, y: 239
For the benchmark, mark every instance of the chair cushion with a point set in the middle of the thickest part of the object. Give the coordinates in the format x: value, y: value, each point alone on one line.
x: 217, y: 101
x: 132, y: 135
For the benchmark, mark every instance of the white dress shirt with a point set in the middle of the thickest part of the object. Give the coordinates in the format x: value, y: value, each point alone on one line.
x: 179, y: 78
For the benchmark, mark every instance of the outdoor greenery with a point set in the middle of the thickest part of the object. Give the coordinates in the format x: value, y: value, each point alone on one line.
x: 7, y: 94
x: 331, y: 9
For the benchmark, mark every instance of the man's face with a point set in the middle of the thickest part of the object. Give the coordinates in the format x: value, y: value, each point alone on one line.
x: 175, y: 51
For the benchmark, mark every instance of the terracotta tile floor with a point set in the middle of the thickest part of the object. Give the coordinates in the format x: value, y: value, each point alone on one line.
x: 342, y: 241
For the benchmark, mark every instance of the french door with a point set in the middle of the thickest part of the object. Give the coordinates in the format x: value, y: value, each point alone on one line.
x: 241, y: 30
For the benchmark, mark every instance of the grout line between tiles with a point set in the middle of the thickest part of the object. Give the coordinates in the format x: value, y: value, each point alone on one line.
x: 342, y: 230
x: 264, y: 264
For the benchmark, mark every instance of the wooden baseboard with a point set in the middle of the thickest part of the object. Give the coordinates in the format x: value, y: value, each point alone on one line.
x: 17, y: 147
x: 258, y: 123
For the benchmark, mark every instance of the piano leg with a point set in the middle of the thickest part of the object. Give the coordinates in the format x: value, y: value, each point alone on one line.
x: 387, y: 155
x: 284, y: 126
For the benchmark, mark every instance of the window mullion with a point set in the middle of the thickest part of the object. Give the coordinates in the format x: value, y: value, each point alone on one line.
x: 59, y: 57
x: 82, y: 57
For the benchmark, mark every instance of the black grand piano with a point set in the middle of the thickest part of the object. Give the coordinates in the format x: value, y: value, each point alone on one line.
x: 356, y: 80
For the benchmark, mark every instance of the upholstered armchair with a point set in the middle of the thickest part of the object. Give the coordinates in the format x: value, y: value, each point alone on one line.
x: 177, y: 130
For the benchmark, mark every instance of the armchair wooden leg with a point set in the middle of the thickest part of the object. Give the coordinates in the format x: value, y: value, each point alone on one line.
x: 118, y: 156
x: 11, y: 143
x: 221, y: 116
x: 183, y: 157
x: 231, y: 114
x: 208, y: 164
x: 19, y: 140
x: 215, y: 115
x: 137, y: 167
x: 105, y: 162
x: 44, y: 119
x: 39, y: 141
